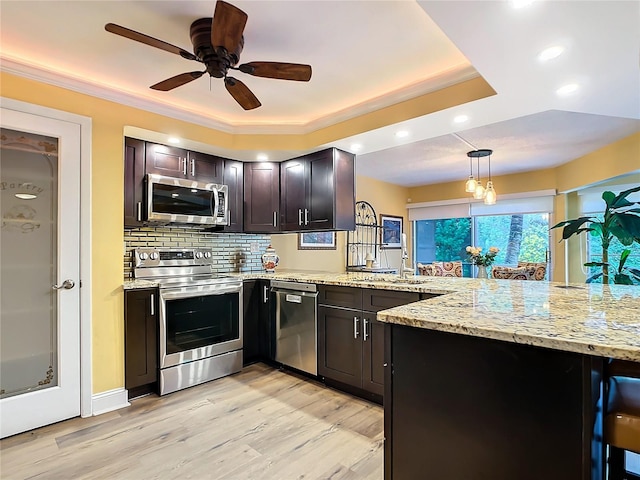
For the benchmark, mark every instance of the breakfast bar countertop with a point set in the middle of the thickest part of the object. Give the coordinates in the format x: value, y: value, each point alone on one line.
x: 583, y: 318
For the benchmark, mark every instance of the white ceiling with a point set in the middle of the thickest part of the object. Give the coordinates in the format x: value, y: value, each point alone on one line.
x: 365, y: 55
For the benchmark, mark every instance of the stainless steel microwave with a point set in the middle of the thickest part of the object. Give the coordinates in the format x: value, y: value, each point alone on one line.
x: 179, y: 200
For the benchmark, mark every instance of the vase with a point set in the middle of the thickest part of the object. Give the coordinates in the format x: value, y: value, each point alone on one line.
x: 270, y: 259
x: 482, y: 271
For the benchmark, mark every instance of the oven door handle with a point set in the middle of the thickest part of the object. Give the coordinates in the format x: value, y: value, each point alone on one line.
x: 188, y: 292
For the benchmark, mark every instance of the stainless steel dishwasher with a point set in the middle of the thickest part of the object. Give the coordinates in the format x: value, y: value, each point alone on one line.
x: 296, y: 322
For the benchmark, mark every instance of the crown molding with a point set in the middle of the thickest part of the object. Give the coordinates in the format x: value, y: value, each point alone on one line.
x: 83, y: 86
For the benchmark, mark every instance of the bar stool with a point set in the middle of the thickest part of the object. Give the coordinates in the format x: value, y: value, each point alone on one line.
x: 622, y: 421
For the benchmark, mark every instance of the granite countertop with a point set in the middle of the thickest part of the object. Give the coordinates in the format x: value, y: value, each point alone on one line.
x: 591, y: 319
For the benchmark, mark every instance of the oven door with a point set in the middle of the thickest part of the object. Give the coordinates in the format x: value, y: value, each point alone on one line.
x: 199, y: 322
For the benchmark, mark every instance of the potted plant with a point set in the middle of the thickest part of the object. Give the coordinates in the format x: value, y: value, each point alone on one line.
x: 621, y: 219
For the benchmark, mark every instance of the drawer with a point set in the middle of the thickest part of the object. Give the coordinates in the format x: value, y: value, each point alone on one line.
x: 346, y: 297
x: 376, y: 300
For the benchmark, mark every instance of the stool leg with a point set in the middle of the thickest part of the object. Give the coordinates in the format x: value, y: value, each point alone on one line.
x: 616, y: 463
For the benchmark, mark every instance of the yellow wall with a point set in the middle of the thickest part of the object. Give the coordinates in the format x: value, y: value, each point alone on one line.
x: 384, y: 198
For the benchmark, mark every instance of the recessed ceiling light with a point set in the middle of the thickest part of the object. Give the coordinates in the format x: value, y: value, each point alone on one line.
x: 402, y: 133
x: 356, y: 147
x: 567, y: 89
x: 461, y: 118
x: 174, y: 140
x: 550, y: 53
x: 521, y: 3
x: 263, y: 157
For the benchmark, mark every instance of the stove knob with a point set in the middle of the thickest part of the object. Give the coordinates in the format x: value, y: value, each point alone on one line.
x: 143, y: 256
x: 153, y: 255
x: 207, y: 254
x: 198, y: 254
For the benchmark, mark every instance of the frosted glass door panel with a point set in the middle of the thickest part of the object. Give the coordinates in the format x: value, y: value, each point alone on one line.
x: 28, y: 259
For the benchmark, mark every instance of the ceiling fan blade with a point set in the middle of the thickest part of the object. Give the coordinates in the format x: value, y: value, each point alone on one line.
x: 177, y: 81
x: 147, y: 40
x: 227, y: 26
x: 241, y: 93
x: 282, y: 71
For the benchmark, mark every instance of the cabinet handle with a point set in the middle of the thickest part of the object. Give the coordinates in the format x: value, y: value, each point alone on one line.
x: 275, y: 219
x: 265, y: 297
x: 355, y: 327
x: 153, y: 308
x: 139, y: 211
x: 184, y: 167
x: 365, y: 334
x: 193, y: 168
x: 306, y: 216
x: 299, y: 216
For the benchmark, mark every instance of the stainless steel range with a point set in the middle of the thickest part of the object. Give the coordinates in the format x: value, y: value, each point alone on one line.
x: 200, y: 315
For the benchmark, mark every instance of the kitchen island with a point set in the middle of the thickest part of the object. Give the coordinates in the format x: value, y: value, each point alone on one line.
x: 502, y: 379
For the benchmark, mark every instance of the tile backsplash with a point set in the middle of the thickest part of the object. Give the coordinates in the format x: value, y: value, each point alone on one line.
x: 231, y: 251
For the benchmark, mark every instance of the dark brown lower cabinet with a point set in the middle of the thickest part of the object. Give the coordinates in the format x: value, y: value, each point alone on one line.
x: 351, y: 340
x: 256, y: 322
x: 463, y: 407
x: 141, y: 341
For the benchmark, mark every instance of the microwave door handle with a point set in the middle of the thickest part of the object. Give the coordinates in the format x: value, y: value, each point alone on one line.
x: 216, y: 200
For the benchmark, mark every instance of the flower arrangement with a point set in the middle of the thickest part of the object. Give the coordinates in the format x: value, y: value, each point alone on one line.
x: 478, y: 258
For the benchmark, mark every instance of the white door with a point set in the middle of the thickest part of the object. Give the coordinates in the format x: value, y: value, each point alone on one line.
x: 40, y: 271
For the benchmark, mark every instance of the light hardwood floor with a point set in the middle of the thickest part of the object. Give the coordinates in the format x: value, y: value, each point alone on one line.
x: 259, y: 424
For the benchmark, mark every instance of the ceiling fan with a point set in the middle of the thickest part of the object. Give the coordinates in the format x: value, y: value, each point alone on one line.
x: 217, y: 43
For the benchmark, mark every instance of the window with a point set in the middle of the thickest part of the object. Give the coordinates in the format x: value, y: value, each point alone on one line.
x: 520, y: 238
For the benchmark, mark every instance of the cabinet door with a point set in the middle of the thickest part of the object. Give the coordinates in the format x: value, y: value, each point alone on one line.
x: 165, y: 160
x: 340, y: 345
x: 373, y: 354
x: 262, y: 197
x: 141, y: 338
x: 266, y: 323
x: 293, y: 194
x: 134, y: 208
x: 251, y: 300
x: 204, y: 168
x: 320, y: 203
x: 233, y: 177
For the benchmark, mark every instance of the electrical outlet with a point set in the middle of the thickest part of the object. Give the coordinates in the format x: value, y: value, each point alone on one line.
x: 254, y: 247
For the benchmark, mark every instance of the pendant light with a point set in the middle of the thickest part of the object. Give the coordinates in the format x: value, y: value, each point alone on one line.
x: 490, y: 193
x: 470, y: 186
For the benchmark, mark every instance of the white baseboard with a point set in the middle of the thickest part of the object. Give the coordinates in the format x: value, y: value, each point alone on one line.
x: 108, y: 401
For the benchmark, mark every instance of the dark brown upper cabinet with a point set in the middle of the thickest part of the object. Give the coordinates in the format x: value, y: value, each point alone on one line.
x: 233, y: 177
x: 134, y: 207
x: 318, y: 192
x: 180, y: 163
x: 261, y: 197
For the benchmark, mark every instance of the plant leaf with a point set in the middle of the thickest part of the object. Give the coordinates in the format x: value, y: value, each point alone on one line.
x: 595, y: 264
x: 623, y: 195
x: 573, y: 226
x: 630, y: 223
x: 623, y: 258
x: 593, y: 277
x: 622, y: 279
x: 609, y: 198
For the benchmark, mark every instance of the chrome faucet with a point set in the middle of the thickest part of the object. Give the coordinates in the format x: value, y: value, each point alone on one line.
x: 404, y: 269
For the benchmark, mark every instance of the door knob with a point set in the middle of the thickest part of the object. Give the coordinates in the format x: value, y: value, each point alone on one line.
x: 67, y: 285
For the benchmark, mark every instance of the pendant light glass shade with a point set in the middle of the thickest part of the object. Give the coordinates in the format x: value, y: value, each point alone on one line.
x: 478, y: 193
x: 470, y: 186
x: 490, y: 194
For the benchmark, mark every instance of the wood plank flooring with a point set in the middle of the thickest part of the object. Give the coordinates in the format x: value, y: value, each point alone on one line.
x: 259, y: 424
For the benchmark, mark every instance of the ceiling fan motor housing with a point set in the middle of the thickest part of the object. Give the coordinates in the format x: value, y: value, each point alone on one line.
x: 217, y: 62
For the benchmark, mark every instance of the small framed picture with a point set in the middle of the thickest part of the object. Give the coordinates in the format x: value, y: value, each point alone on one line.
x: 317, y: 241
x: 391, y: 231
